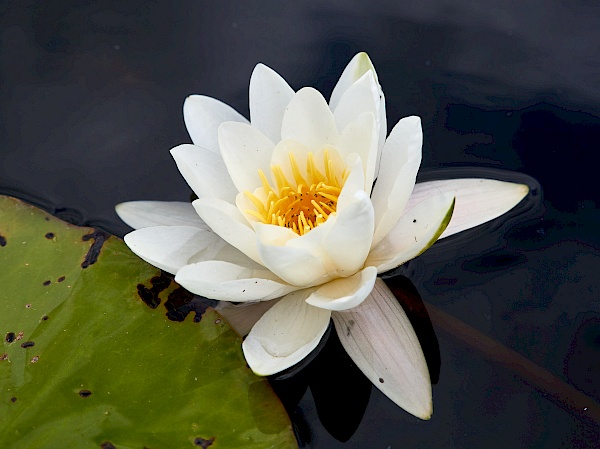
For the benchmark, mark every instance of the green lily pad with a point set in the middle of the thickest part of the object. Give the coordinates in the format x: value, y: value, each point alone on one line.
x: 90, y: 359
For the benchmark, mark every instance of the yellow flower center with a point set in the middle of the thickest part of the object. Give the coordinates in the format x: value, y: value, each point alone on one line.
x: 301, y: 205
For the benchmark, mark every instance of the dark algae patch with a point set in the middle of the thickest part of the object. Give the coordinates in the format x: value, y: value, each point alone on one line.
x: 203, y: 443
x: 150, y: 295
x: 2, y: 240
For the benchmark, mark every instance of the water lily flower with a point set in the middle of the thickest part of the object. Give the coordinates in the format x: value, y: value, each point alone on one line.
x: 289, y: 209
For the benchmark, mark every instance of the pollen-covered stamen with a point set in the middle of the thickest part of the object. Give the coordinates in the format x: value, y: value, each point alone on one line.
x: 306, y: 202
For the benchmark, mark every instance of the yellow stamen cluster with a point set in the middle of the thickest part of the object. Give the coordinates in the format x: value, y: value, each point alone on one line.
x: 306, y: 203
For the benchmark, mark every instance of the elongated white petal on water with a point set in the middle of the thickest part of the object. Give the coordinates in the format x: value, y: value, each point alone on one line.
x: 269, y: 96
x: 344, y: 293
x: 477, y: 200
x: 308, y: 120
x: 228, y: 222
x: 245, y: 150
x: 203, y: 115
x: 144, y: 214
x: 416, y: 231
x: 170, y: 247
x: 379, y: 338
x: 204, y: 171
x: 400, y: 161
x: 285, y: 334
x: 231, y: 282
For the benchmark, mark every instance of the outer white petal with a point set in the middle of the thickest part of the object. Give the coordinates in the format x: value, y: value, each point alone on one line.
x: 245, y: 150
x: 226, y: 281
x: 204, y: 171
x: 170, y: 247
x: 308, y: 119
x: 344, y: 293
x: 349, y: 240
x: 269, y: 96
x: 243, y: 316
x: 143, y: 214
x: 477, y: 200
x: 285, y: 334
x: 379, y: 338
x: 203, y: 115
x: 416, y: 231
x: 227, y: 221
x: 360, y: 97
x: 400, y: 161
x: 360, y: 137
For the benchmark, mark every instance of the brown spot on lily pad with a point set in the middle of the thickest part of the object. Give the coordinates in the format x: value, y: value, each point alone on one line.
x: 60, y: 279
x: 27, y: 344
x: 49, y: 235
x: 3, y: 356
x: 35, y: 359
x: 10, y: 337
x: 108, y: 445
x: 13, y: 399
x: 2, y: 240
x: 85, y: 393
x: 47, y: 283
x: 203, y: 443
x: 181, y: 303
x: 99, y: 238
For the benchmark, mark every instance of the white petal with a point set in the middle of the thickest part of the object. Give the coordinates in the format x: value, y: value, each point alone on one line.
x: 295, y: 264
x: 477, y: 200
x: 143, y: 214
x: 379, y: 338
x: 355, y: 182
x: 360, y: 97
x: 269, y: 96
x: 308, y: 119
x: 170, y: 247
x: 226, y: 281
x: 285, y: 334
x: 203, y: 115
x: 243, y: 316
x: 204, y: 171
x: 344, y: 293
x: 400, y: 161
x: 245, y: 150
x: 416, y: 231
x: 349, y: 240
x: 356, y: 68
x: 227, y: 221
x: 360, y: 137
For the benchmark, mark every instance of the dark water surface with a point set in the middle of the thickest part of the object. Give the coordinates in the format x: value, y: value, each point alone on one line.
x: 90, y: 103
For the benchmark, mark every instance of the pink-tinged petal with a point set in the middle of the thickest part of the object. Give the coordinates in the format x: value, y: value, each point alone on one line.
x: 417, y: 230
x: 228, y: 222
x: 170, y: 247
x: 379, y: 338
x: 245, y: 150
x: 226, y: 281
x: 204, y: 171
x: 203, y: 115
x: 344, y: 293
x: 243, y: 316
x: 477, y: 200
x: 285, y: 334
x: 308, y: 119
x: 269, y: 96
x: 400, y: 161
x: 144, y: 214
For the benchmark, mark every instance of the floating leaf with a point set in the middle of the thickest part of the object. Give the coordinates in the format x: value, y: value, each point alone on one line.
x: 91, y: 356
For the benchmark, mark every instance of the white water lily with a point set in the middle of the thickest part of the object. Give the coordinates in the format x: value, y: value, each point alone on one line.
x: 288, y: 210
